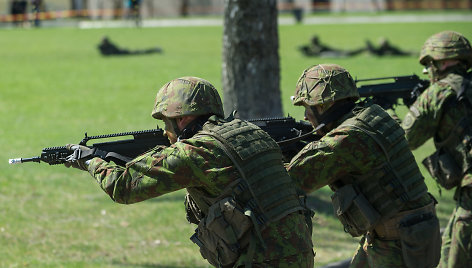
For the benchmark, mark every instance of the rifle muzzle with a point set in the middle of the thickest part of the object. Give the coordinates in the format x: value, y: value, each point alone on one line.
x: 22, y: 160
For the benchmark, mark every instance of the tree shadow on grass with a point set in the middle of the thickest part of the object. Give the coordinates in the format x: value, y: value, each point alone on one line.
x: 319, y: 204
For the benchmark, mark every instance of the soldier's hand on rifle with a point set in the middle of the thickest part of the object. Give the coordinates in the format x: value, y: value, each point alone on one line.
x: 79, y: 157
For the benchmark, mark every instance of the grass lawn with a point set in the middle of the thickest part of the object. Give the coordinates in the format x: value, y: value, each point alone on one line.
x: 54, y: 86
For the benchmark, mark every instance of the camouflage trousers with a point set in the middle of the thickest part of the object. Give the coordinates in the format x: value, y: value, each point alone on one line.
x: 421, y: 249
x: 302, y: 260
x: 378, y: 253
x: 456, y: 248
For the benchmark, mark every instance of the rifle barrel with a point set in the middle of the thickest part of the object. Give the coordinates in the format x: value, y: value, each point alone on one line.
x: 23, y: 160
x: 396, y: 78
x: 374, y: 79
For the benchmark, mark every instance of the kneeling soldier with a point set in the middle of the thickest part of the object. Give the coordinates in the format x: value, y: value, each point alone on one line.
x: 379, y: 192
x: 239, y: 194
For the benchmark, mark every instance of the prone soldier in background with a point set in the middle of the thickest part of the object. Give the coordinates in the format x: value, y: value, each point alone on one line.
x: 248, y: 211
x: 444, y: 111
x: 379, y: 192
x: 319, y: 49
x: 108, y: 48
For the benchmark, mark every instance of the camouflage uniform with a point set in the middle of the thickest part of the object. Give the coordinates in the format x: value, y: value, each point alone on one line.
x: 201, y: 165
x: 439, y: 113
x: 366, y: 173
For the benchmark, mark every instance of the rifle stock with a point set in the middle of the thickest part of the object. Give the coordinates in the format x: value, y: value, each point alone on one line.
x: 387, y: 94
x: 294, y: 135
x: 291, y: 135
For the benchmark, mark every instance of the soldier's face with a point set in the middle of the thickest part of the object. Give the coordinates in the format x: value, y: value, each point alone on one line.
x: 431, y: 70
x: 310, y: 116
x: 169, y: 131
x: 437, y: 70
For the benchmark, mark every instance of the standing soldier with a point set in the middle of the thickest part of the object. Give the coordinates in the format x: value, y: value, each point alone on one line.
x: 37, y: 6
x: 239, y: 194
x: 379, y: 192
x: 444, y: 111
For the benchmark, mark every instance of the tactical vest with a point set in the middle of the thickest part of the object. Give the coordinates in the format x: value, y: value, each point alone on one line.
x: 263, y: 194
x: 362, y: 201
x: 454, y: 153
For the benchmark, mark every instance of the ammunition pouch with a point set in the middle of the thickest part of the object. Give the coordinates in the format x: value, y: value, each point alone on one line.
x: 354, y: 211
x: 420, y: 239
x: 223, y: 234
x: 443, y: 169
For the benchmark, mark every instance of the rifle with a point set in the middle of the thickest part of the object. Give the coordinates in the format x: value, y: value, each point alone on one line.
x: 290, y: 134
x: 120, y: 151
x: 407, y: 88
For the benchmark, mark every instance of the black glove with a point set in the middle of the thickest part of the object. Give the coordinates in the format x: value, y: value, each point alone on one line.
x: 78, y: 159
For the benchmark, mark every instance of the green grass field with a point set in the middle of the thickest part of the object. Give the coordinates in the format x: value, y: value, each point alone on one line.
x: 54, y: 86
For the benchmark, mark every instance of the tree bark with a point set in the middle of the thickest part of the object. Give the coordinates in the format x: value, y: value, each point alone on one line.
x: 251, y: 72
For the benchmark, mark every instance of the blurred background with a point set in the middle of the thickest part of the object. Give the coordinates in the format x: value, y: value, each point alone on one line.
x: 56, y: 84
x: 26, y: 12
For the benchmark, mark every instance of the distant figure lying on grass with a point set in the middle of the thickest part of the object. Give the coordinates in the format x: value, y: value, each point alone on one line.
x: 386, y: 49
x: 107, y: 48
x: 318, y: 49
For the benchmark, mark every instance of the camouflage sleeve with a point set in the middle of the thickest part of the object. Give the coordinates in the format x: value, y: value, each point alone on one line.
x: 423, y: 119
x: 160, y: 171
x: 336, y: 155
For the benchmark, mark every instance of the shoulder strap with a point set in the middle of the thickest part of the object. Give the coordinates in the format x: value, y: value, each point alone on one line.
x: 461, y: 98
x: 233, y: 157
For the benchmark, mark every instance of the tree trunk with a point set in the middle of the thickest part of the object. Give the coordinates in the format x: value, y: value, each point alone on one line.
x: 251, y: 72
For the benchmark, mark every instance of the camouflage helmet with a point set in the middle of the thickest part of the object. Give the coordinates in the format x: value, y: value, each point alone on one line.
x: 446, y: 45
x: 324, y: 84
x: 187, y: 96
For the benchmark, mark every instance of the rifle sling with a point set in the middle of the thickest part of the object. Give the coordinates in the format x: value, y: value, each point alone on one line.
x: 332, y: 114
x: 112, y: 156
x: 301, y: 137
x: 118, y: 158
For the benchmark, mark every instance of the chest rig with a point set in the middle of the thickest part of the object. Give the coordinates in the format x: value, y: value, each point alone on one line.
x: 362, y: 201
x: 264, y: 193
